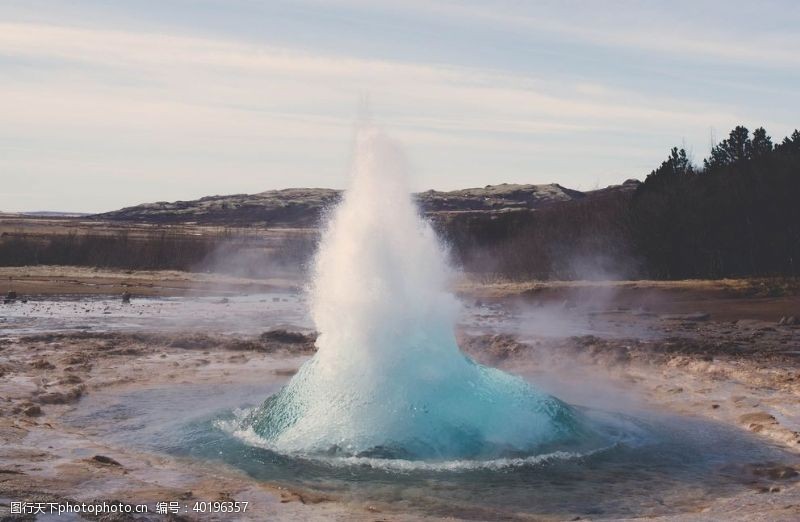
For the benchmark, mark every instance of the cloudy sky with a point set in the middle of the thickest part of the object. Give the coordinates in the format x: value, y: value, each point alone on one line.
x: 105, y: 103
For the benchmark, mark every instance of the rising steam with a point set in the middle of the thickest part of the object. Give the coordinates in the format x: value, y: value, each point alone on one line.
x: 388, y: 379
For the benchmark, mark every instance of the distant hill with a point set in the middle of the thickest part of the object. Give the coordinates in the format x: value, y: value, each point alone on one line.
x: 736, y: 215
x: 286, y: 207
x: 46, y: 214
x: 302, y: 207
x: 53, y: 214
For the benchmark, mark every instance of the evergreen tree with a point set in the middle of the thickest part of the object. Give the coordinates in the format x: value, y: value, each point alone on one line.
x: 790, y: 144
x: 737, y: 147
x: 740, y: 218
x: 762, y: 143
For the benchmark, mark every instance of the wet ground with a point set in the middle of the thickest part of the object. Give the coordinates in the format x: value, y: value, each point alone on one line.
x: 235, y: 315
x: 714, y: 404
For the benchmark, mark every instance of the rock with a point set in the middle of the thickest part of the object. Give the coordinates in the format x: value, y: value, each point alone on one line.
x: 776, y: 472
x: 280, y: 339
x: 32, y: 411
x: 42, y: 364
x: 194, y: 342
x: 102, y: 459
x: 285, y: 336
x: 225, y: 496
x: 62, y: 397
x: 11, y: 296
x: 244, y: 345
x: 495, y: 347
x: 757, y: 418
x: 71, y: 379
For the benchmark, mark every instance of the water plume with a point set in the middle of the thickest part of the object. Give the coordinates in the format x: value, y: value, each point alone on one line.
x: 389, y: 380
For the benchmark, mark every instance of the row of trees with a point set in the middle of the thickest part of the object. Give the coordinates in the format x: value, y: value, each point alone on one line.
x: 163, y: 250
x: 228, y: 251
x: 587, y: 238
x: 736, y: 215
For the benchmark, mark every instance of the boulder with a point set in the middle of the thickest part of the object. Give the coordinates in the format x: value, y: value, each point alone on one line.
x: 102, y: 459
x: 32, y: 411
x: 67, y: 397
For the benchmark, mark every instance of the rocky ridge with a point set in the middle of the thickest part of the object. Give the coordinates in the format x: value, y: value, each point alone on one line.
x: 302, y: 207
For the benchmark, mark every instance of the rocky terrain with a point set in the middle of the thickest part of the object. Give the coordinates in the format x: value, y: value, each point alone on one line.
x: 725, y: 351
x: 302, y: 207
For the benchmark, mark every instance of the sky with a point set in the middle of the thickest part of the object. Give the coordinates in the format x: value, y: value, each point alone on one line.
x: 106, y: 104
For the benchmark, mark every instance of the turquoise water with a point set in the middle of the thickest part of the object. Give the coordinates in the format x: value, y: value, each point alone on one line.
x: 419, y: 412
x: 658, y: 464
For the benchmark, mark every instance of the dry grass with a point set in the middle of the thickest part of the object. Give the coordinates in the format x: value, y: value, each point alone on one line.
x: 251, y: 252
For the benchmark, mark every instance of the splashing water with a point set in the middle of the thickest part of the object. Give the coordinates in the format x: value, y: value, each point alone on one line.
x: 389, y: 380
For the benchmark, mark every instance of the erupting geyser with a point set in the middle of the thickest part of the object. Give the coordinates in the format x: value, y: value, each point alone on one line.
x: 388, y: 379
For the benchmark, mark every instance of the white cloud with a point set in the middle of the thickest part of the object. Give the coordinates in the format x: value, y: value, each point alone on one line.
x: 193, y: 82
x: 740, y: 33
x: 134, y: 105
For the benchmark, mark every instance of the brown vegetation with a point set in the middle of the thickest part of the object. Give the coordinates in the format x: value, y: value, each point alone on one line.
x: 69, y: 242
x: 737, y: 216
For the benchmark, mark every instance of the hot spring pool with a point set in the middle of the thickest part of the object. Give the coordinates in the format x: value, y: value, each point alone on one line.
x: 659, y: 464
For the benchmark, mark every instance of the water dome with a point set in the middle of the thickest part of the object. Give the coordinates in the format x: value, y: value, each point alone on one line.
x: 388, y: 379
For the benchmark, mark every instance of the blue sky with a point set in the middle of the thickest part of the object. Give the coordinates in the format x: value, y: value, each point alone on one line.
x: 105, y: 104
